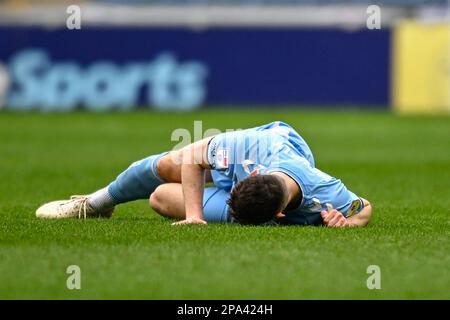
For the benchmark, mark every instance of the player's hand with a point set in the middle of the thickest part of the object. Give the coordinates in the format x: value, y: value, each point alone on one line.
x: 334, y: 219
x: 189, y: 221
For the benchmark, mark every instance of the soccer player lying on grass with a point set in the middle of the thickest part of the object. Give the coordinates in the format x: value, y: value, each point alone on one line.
x: 260, y: 175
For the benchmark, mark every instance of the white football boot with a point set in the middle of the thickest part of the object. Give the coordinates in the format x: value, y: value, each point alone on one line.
x: 76, y: 207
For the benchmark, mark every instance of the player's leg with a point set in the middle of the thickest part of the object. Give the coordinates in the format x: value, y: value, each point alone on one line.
x: 168, y: 201
x: 142, y: 178
x: 138, y: 181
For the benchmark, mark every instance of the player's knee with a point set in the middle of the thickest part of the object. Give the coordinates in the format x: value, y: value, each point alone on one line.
x: 168, y: 170
x: 155, y: 201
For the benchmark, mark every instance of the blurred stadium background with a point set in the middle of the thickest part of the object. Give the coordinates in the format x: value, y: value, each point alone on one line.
x: 185, y: 55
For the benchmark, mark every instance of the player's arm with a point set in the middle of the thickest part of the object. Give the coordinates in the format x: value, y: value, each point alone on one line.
x: 363, y: 217
x: 193, y: 167
x: 336, y: 219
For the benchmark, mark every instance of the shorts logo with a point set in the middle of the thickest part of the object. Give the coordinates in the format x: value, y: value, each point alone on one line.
x: 222, y: 158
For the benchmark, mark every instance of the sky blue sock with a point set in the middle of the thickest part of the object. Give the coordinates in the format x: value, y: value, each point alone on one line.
x: 138, y: 181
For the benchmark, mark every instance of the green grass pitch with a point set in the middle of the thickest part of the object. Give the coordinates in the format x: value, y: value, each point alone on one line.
x: 401, y: 164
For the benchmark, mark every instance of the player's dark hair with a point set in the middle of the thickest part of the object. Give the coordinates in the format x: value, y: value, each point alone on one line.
x: 257, y: 199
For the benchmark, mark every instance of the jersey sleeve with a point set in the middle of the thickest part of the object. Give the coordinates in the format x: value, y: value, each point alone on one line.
x: 220, y: 156
x: 218, y: 153
x: 355, y: 205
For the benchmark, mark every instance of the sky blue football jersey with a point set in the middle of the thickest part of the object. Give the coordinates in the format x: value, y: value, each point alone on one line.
x: 278, y: 147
